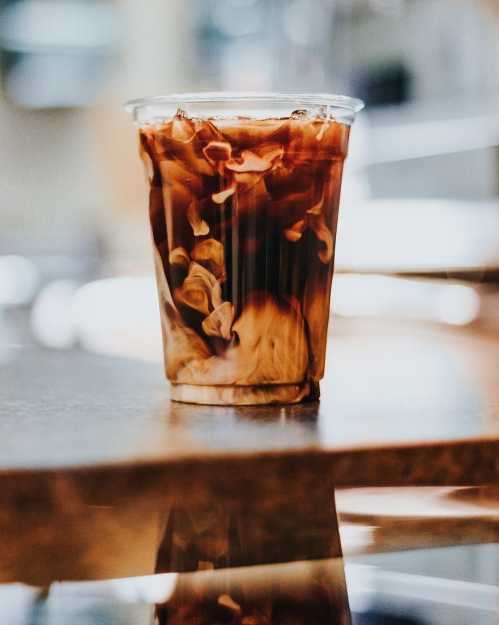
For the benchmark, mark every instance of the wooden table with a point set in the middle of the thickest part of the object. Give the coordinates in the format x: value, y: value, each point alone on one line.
x: 94, y: 457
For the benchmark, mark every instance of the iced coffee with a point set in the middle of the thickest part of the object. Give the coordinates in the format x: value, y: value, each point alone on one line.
x: 243, y: 213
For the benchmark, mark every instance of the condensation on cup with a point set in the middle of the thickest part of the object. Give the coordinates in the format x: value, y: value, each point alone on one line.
x: 243, y: 205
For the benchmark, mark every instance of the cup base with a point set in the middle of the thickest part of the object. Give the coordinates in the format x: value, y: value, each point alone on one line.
x: 241, y: 395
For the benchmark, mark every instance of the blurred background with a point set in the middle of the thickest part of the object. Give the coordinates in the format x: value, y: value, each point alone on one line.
x: 419, y: 226
x: 421, y: 188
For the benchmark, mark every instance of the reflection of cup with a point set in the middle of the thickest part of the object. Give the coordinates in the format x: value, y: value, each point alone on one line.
x: 244, y: 194
x: 264, y: 552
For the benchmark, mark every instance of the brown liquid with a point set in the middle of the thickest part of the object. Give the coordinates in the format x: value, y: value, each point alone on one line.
x: 243, y: 215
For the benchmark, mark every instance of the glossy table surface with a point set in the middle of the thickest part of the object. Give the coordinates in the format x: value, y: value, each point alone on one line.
x: 380, y: 591
x: 388, y: 386
x: 94, y: 455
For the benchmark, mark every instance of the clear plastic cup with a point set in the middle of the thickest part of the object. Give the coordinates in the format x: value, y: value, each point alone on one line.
x: 243, y: 205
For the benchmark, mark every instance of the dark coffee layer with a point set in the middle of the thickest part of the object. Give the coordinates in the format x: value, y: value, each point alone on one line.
x: 243, y: 215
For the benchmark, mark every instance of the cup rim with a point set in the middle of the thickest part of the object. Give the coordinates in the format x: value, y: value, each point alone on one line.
x: 353, y: 105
